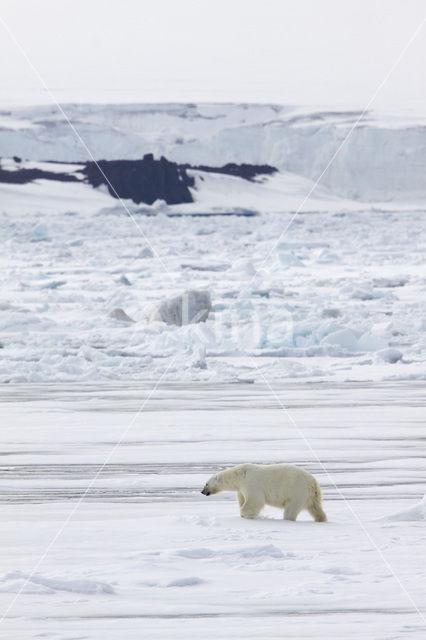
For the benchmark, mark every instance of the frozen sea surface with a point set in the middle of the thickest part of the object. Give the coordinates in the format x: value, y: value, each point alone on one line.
x: 101, y: 540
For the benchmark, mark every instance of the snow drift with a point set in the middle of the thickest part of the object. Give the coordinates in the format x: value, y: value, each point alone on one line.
x: 415, y: 513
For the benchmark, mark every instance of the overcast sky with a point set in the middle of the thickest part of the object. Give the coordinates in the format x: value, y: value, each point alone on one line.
x: 313, y: 52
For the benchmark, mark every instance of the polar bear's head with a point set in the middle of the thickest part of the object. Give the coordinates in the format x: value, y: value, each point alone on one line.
x: 211, y: 487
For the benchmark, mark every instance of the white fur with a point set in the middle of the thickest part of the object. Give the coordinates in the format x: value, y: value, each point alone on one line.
x: 278, y: 485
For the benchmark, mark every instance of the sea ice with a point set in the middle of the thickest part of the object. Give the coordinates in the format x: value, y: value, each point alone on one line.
x: 370, y: 342
x: 344, y: 338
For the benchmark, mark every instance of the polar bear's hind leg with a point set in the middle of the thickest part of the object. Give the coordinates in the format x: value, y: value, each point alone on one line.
x: 291, y: 510
x: 315, y: 507
x: 317, y: 512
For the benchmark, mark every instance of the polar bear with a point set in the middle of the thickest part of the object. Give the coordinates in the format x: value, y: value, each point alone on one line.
x: 278, y: 485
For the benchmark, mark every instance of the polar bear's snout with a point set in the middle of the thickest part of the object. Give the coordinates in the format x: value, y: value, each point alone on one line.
x: 210, y: 488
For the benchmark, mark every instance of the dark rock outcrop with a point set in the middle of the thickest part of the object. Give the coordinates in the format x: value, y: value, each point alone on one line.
x: 246, y: 171
x: 22, y: 176
x: 143, y: 180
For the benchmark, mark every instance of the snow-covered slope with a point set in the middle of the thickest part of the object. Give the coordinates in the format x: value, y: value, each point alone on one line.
x: 280, y: 192
x: 415, y: 513
x: 383, y: 159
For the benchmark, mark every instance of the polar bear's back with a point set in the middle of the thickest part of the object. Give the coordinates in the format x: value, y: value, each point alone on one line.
x: 279, y: 483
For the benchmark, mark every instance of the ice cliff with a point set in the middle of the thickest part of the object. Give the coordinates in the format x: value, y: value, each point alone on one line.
x: 383, y: 159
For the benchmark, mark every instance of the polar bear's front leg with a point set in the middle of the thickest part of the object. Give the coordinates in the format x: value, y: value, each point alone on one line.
x: 241, y: 499
x: 252, y: 507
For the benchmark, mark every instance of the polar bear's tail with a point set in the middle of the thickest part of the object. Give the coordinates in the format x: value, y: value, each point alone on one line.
x: 315, y: 507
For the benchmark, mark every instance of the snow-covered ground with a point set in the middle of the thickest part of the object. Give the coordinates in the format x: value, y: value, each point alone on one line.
x: 146, y: 555
x: 340, y: 296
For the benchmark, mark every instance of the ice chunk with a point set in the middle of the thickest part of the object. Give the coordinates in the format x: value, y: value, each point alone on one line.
x: 146, y: 252
x: 370, y: 342
x: 289, y: 260
x: 331, y: 313
x: 327, y: 257
x: 391, y: 355
x: 53, y: 284
x: 40, y: 232
x: 189, y: 307
x: 159, y: 204
x: 390, y: 283
x: 244, y: 267
x: 199, y: 360
x: 206, y: 266
x: 344, y: 338
x: 361, y: 291
x: 191, y: 581
x: 120, y: 314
